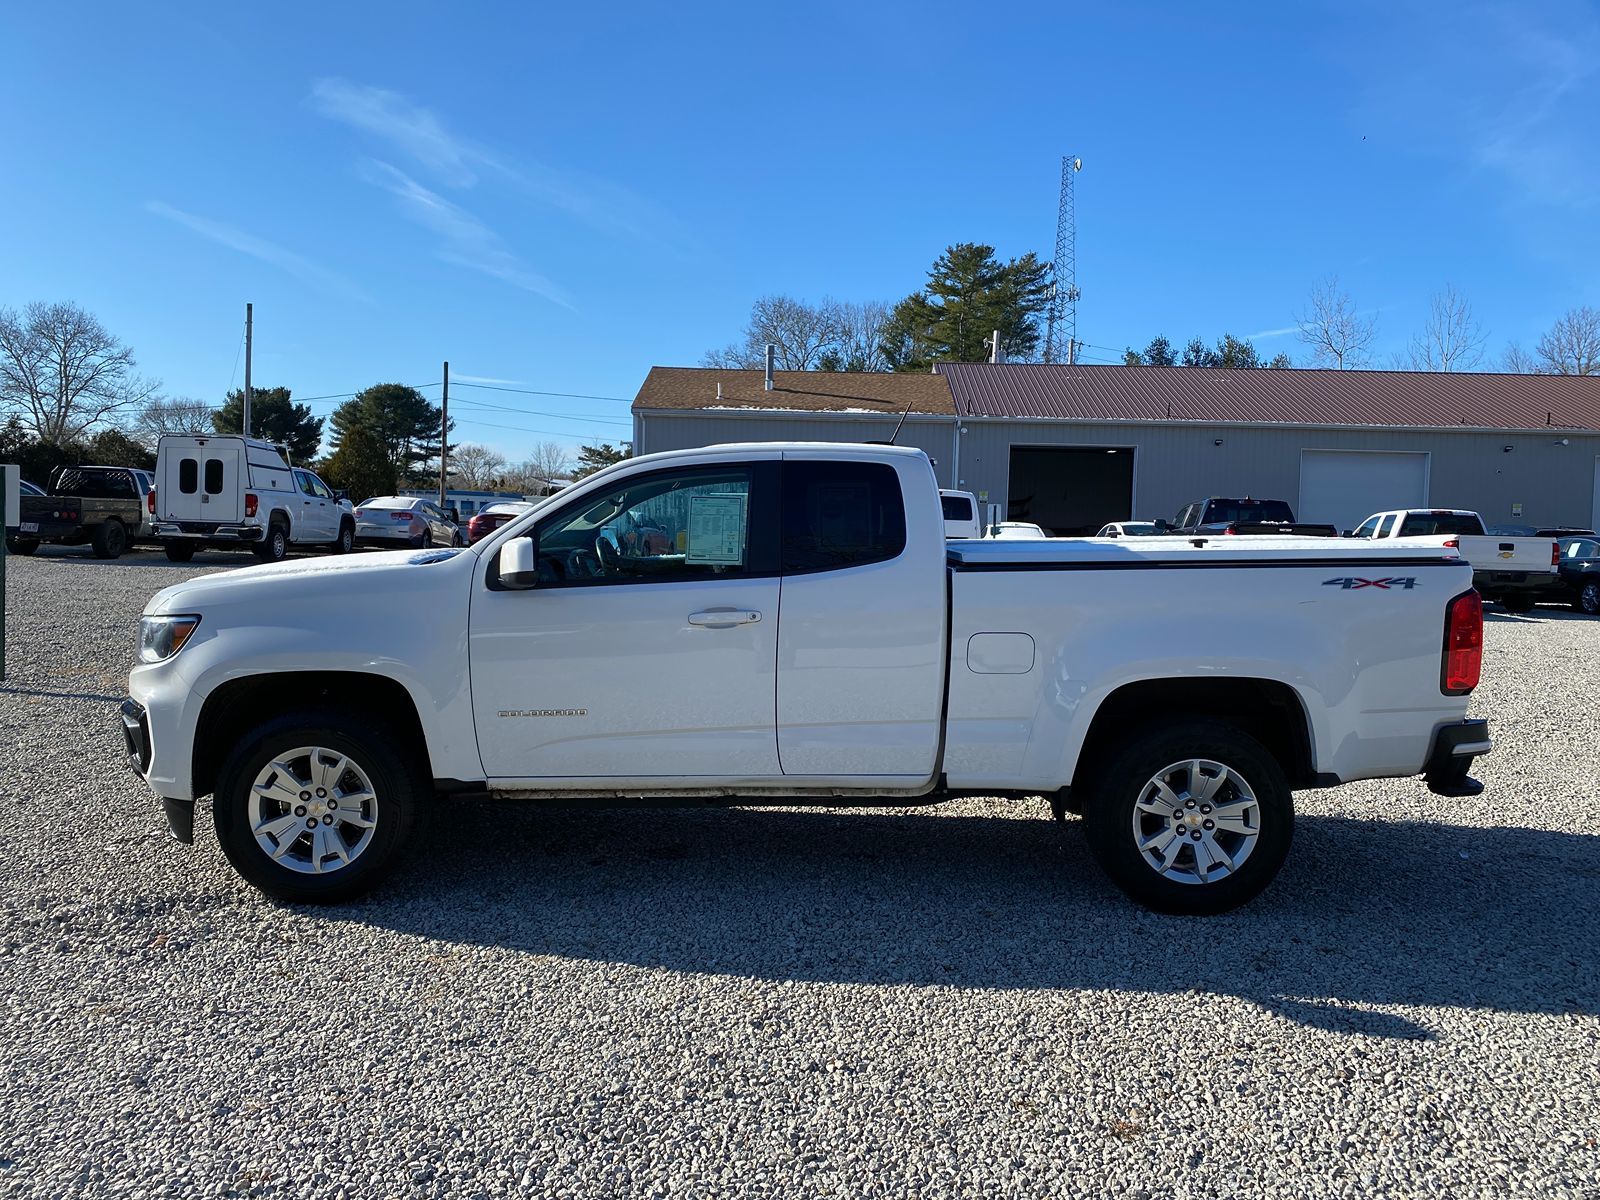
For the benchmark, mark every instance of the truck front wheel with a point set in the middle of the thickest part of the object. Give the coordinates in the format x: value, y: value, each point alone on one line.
x: 1195, y: 818
x: 317, y: 807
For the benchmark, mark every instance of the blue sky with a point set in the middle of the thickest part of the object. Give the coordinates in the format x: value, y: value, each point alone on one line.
x: 558, y: 197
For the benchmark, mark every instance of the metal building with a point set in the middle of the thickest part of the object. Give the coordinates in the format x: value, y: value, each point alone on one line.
x: 1071, y: 447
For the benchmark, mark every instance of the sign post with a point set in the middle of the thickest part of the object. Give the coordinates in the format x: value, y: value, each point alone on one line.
x: 10, y: 514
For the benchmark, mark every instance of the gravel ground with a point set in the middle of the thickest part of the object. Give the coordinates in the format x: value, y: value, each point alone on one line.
x: 947, y: 1001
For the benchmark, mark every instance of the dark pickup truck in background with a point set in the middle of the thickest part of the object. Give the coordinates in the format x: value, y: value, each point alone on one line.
x: 98, y: 506
x: 1229, y: 515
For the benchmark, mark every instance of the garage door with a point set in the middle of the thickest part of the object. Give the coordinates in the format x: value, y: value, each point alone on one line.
x: 1344, y: 487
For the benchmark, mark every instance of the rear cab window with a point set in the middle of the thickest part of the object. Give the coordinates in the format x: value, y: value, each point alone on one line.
x: 956, y: 508
x: 840, y: 514
x: 1440, y: 524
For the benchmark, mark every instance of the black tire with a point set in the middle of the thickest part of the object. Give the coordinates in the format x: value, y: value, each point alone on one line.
x: 1121, y: 780
x: 110, y: 539
x: 399, y: 784
x: 1517, y: 604
x: 1588, y: 600
x: 179, y: 551
x: 275, y: 546
x: 22, y: 545
x: 346, y: 541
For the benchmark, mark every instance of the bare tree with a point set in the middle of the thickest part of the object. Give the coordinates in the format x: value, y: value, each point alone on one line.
x: 801, y: 332
x: 475, y: 466
x: 860, y: 332
x: 179, y: 414
x: 64, y: 372
x: 1452, y: 339
x: 1572, y: 347
x: 538, y: 473
x: 1339, y: 336
x: 1517, y: 361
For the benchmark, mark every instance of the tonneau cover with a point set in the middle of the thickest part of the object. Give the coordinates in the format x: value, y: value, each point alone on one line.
x: 994, y: 553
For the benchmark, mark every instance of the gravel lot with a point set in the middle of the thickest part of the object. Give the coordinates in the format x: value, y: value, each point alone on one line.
x: 947, y: 1001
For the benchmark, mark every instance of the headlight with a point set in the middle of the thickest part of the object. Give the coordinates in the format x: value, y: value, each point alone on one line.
x: 162, y: 637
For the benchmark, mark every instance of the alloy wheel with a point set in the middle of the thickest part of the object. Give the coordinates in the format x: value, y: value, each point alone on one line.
x: 1196, y: 821
x: 313, y: 810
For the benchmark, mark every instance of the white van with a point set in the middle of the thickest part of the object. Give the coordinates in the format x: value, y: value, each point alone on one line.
x: 228, y: 490
x: 960, y: 514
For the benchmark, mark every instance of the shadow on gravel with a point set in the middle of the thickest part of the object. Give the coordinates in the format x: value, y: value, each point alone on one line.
x: 1365, y: 913
x: 98, y: 697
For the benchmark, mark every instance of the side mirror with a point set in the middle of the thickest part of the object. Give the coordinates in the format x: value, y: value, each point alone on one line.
x: 519, y: 564
x: 341, y: 495
x: 1348, y: 533
x: 454, y: 515
x: 1163, y: 524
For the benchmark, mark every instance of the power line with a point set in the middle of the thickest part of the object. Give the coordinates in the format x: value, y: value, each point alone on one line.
x: 489, y: 387
x: 564, y: 433
x: 534, y: 412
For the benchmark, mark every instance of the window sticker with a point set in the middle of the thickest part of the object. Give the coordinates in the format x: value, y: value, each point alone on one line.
x: 716, y: 530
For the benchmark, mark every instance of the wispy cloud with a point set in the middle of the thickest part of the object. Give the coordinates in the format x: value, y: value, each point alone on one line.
x: 464, y: 239
x: 456, y: 161
x: 298, y: 265
x: 490, y: 379
x: 410, y: 127
x: 1263, y: 334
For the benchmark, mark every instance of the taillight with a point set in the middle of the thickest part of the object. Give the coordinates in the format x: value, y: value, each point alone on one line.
x: 1452, y: 543
x: 251, y: 503
x: 1555, y: 554
x: 1230, y: 530
x: 360, y: 512
x: 150, y: 501
x: 402, y: 515
x: 1463, y: 645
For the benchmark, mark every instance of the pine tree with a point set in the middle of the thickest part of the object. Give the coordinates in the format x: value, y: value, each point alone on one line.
x: 274, y: 417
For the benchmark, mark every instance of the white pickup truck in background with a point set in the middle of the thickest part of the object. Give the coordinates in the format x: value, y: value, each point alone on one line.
x: 786, y: 623
x: 1512, y: 570
x: 226, y: 490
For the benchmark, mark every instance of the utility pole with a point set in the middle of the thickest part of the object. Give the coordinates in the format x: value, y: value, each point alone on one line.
x: 444, y: 436
x: 249, y: 324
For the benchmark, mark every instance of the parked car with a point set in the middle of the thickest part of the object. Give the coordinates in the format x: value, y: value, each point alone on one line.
x: 394, y: 522
x: 1512, y: 570
x: 232, y: 491
x: 494, y: 516
x: 98, y: 506
x: 804, y: 633
x: 29, y: 489
x: 1552, y: 531
x: 1241, y: 515
x: 960, y: 514
x: 1135, y: 529
x: 1577, y: 578
x: 1015, y: 531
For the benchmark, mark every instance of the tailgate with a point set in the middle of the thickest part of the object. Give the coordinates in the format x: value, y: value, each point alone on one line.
x: 1490, y: 553
x: 200, y: 479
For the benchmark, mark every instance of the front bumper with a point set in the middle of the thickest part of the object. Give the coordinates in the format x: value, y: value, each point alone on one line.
x: 1454, y: 748
x: 136, y: 740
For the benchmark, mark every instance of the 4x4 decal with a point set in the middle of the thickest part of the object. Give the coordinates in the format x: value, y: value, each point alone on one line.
x: 1347, y: 583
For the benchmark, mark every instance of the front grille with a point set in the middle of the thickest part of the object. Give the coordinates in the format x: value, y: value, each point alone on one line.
x: 136, y: 735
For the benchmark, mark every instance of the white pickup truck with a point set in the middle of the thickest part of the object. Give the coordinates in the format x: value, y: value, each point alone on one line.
x: 1512, y: 570
x: 786, y: 623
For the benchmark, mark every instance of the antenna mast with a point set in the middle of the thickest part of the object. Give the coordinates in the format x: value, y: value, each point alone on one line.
x: 1061, y: 320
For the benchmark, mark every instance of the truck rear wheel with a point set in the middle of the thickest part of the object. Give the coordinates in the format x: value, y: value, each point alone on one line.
x: 22, y: 545
x: 179, y: 551
x: 1517, y: 604
x: 275, y: 546
x: 110, y: 539
x: 317, y: 807
x: 1195, y: 818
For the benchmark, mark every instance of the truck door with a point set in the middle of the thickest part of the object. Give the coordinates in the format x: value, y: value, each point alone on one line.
x: 201, y: 480
x: 861, y: 622
x: 648, y: 648
x: 318, y: 517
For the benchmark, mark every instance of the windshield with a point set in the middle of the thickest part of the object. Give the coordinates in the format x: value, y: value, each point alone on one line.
x: 1447, y: 524
x: 1230, y: 511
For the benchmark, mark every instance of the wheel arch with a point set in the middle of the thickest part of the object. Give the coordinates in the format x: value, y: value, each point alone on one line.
x: 1269, y: 710
x: 235, y: 707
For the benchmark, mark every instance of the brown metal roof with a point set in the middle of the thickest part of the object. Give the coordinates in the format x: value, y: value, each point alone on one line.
x: 808, y: 391
x: 1300, y: 397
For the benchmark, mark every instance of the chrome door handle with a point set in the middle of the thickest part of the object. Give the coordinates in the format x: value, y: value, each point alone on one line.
x: 724, y: 618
